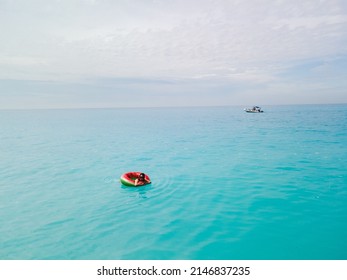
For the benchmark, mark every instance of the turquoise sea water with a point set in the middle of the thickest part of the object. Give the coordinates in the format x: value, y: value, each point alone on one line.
x: 226, y: 184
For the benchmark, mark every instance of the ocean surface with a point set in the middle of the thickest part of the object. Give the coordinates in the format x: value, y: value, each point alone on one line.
x: 226, y: 184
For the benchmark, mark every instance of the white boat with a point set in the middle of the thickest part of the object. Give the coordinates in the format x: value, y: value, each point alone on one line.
x: 255, y: 109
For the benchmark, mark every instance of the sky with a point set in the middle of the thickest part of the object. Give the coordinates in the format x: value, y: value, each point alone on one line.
x: 142, y: 53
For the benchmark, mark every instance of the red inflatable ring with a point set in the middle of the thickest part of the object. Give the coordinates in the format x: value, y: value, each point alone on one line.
x: 128, y: 179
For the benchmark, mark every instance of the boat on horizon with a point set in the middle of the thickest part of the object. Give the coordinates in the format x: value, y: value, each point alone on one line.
x: 255, y: 109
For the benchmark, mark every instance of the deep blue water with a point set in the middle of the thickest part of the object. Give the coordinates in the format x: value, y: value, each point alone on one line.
x: 226, y: 184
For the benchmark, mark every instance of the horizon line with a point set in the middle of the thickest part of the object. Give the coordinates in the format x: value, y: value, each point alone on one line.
x: 167, y: 107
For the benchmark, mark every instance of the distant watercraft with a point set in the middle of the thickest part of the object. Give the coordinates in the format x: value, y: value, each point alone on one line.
x: 255, y: 109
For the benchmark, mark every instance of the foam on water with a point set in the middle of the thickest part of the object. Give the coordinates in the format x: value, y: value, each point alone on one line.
x: 226, y: 184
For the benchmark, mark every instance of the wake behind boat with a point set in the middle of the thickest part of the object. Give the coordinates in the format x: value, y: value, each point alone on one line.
x: 255, y: 109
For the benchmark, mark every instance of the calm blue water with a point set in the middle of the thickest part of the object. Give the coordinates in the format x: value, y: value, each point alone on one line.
x: 226, y: 184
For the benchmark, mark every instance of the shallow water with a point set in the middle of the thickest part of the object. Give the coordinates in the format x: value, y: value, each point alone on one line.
x: 226, y: 184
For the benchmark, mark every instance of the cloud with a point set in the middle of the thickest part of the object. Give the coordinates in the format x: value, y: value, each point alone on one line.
x: 310, y: 22
x: 233, y: 42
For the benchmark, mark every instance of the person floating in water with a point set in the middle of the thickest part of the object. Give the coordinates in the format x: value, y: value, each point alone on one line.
x: 141, y: 180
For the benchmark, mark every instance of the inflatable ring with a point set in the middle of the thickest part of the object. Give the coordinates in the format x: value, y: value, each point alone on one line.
x: 128, y: 179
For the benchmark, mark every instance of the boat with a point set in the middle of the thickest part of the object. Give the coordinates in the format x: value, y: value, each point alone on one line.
x: 255, y: 109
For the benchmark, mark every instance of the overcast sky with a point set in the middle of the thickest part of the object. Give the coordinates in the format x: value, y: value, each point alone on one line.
x: 120, y: 53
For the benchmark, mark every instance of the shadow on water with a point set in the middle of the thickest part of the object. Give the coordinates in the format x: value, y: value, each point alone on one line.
x: 137, y: 192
